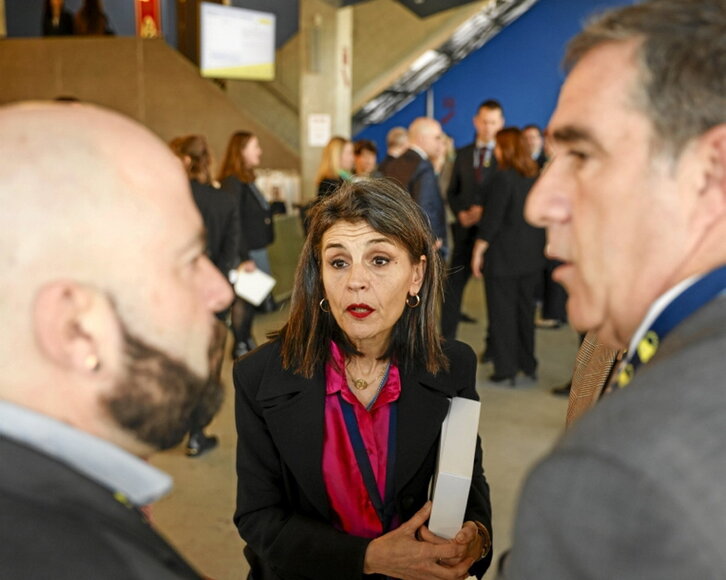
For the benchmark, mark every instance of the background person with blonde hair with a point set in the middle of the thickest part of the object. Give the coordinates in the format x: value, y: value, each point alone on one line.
x: 336, y: 165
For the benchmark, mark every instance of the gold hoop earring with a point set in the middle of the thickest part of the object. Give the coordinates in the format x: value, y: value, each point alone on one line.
x: 416, y: 301
x: 325, y: 305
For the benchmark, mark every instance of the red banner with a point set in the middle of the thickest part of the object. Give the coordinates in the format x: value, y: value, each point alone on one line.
x: 148, y: 18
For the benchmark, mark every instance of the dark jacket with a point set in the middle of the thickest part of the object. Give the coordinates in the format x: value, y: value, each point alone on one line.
x: 65, y: 24
x: 283, y: 511
x: 221, y: 220
x: 515, y: 247
x: 417, y: 176
x: 56, y: 523
x: 464, y: 191
x: 255, y: 214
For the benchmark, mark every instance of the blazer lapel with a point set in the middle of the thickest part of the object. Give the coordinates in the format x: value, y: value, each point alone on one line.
x: 423, y: 405
x: 294, y: 409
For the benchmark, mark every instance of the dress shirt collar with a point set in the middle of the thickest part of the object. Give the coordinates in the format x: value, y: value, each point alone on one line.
x: 97, y: 459
x: 418, y: 150
x: 485, y: 145
x: 659, y: 306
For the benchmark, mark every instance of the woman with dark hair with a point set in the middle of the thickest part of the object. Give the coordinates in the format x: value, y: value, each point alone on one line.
x: 91, y: 20
x: 336, y: 165
x: 514, y: 259
x: 221, y: 222
x: 339, y: 415
x: 57, y: 20
x: 238, y: 179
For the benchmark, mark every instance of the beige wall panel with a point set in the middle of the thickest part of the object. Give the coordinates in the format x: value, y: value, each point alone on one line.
x: 144, y: 79
x: 27, y: 71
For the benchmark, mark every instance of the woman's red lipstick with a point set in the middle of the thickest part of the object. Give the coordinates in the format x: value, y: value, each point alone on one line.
x: 360, y: 310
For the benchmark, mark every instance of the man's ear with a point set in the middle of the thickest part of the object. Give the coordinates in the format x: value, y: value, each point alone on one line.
x: 71, y: 323
x: 711, y: 172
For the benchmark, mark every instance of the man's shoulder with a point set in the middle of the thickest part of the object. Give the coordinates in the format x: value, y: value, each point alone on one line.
x: 675, y: 402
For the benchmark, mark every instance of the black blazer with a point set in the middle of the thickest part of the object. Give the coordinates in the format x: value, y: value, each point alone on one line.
x: 515, y: 247
x: 65, y: 24
x: 221, y: 220
x: 56, y: 523
x: 283, y: 511
x: 258, y: 231
x: 463, y: 190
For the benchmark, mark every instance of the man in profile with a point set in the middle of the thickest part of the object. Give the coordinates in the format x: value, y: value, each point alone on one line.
x: 634, y: 201
x: 107, y: 306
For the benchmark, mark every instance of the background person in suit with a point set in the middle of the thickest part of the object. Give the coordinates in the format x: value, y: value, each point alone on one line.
x: 366, y: 359
x: 634, y: 202
x: 220, y: 215
x: 414, y: 171
x: 474, y: 167
x: 108, y: 308
x: 237, y: 177
x: 514, y: 259
x: 396, y: 143
x: 57, y: 20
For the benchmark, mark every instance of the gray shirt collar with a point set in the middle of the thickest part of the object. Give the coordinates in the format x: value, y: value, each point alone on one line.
x: 105, y: 463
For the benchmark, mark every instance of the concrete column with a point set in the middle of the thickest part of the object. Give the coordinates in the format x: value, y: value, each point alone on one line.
x: 325, y: 80
x: 3, y: 26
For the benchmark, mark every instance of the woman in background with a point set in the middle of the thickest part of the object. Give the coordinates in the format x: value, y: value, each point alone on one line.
x: 221, y: 222
x: 91, y: 20
x: 336, y: 165
x: 57, y: 20
x: 257, y: 229
x: 514, y: 259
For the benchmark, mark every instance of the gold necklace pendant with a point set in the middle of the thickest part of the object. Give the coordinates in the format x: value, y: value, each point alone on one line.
x: 359, y: 384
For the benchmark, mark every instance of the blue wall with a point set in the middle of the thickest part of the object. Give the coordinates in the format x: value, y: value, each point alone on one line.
x: 520, y: 67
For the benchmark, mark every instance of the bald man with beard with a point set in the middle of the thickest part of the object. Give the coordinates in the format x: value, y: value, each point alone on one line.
x: 108, y: 302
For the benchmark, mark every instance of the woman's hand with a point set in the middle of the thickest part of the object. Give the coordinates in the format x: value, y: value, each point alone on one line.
x: 477, y: 257
x: 248, y: 266
x: 400, y: 555
x: 468, y: 536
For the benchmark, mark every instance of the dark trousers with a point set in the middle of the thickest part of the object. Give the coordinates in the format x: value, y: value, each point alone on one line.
x: 457, y: 276
x: 510, y: 301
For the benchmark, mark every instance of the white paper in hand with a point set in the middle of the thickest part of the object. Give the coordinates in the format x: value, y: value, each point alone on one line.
x: 253, y: 286
x: 454, y: 469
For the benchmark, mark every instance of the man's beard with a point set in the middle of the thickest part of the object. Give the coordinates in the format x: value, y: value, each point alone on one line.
x: 160, y: 398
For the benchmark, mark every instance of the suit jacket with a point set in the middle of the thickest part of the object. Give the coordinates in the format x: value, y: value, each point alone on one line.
x: 283, y: 512
x: 635, y: 490
x: 515, y: 247
x: 56, y: 523
x: 594, y: 364
x: 463, y: 190
x: 255, y: 214
x: 221, y: 220
x: 417, y: 176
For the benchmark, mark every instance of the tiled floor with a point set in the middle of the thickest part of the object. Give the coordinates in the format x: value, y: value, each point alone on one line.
x: 517, y: 427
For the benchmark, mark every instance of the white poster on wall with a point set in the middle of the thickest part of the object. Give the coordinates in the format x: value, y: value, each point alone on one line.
x: 319, y: 125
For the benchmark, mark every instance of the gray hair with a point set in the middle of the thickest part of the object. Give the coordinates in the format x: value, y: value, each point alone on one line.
x: 682, y: 62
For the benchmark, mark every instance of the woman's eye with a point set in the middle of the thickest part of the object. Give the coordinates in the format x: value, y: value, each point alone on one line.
x: 380, y: 261
x: 337, y: 264
x: 579, y: 156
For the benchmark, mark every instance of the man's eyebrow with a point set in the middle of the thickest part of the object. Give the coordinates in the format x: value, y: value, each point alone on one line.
x: 575, y: 134
x: 196, y: 241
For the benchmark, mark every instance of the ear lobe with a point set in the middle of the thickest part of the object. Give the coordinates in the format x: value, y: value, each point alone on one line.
x: 64, y: 328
